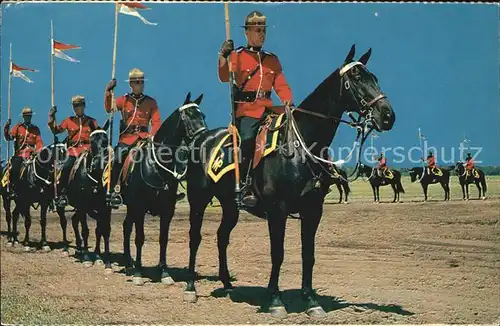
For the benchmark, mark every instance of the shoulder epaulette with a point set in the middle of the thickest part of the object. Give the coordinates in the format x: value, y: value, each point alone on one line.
x: 240, y: 48
x: 269, y: 53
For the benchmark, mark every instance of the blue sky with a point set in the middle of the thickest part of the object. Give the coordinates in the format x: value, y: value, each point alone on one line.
x: 437, y: 63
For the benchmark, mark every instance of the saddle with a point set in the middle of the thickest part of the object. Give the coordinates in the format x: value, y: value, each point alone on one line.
x: 436, y: 171
x: 221, y: 158
x: 387, y: 174
x: 6, y: 175
x: 129, y: 164
x: 76, y: 165
x: 475, y: 173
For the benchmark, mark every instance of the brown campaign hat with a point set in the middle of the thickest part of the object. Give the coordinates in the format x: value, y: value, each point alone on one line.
x: 78, y: 99
x: 255, y: 18
x: 27, y: 111
x: 135, y: 74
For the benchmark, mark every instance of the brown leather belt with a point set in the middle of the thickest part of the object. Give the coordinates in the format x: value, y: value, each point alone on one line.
x: 250, y: 96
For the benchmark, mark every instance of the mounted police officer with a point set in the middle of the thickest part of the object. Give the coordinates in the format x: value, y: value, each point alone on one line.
x: 79, y: 128
x: 256, y: 73
x: 382, y: 165
x: 469, y: 164
x: 431, y: 163
x: 27, y: 141
x: 138, y: 111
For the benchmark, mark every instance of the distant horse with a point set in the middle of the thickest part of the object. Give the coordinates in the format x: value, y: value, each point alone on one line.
x: 340, y: 179
x: 6, y: 200
x: 425, y: 179
x: 477, y: 177
x: 36, y: 186
x: 392, y: 178
x: 288, y: 180
x: 87, y: 195
x: 151, y: 182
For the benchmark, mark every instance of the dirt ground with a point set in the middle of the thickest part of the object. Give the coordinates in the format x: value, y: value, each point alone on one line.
x: 375, y: 263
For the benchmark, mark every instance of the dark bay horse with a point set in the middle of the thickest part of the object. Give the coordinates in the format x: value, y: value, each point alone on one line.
x: 286, y: 182
x: 87, y: 195
x: 340, y: 179
x: 36, y: 186
x: 466, y: 180
x: 151, y: 187
x: 376, y: 182
x: 6, y: 202
x: 420, y: 174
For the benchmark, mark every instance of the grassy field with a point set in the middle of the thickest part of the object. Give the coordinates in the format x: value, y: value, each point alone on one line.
x: 402, y: 263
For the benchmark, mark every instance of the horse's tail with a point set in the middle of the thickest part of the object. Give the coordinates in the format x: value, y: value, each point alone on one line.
x: 399, y: 187
x: 345, y: 182
x: 483, y: 184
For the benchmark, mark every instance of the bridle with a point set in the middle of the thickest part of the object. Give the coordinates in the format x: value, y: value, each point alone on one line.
x: 190, y: 135
x: 364, y: 124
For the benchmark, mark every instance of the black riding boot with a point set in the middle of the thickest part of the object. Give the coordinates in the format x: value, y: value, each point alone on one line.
x: 114, y: 198
x: 248, y: 197
x: 61, y: 199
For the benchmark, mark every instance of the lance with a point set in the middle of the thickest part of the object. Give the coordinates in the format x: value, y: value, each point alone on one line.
x: 9, y: 96
x: 54, y: 152
x: 113, y: 104
x: 233, y: 129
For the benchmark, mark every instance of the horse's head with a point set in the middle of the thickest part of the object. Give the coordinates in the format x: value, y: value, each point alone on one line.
x: 361, y: 93
x: 47, y: 154
x: 99, y: 139
x: 459, y: 166
x: 364, y: 169
x: 413, y: 174
x: 184, y: 123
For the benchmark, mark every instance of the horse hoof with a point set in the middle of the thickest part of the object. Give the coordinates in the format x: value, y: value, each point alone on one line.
x: 346, y: 202
x: 167, y: 280
x: 137, y: 280
x: 9, y: 244
x: 483, y: 198
x: 46, y: 248
x: 99, y: 262
x: 190, y: 296
x: 278, y: 312
x: 65, y: 253
x: 27, y: 248
x: 87, y: 263
x: 108, y: 271
x: 316, y: 312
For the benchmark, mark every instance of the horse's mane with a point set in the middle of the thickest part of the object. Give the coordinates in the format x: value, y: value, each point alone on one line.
x: 317, y: 99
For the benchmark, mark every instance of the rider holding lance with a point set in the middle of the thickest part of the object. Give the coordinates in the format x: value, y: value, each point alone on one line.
x: 27, y: 142
x: 79, y: 128
x: 256, y: 73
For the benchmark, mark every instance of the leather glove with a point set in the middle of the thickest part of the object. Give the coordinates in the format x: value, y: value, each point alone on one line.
x: 111, y: 85
x: 7, y: 124
x: 52, y: 111
x: 226, y: 48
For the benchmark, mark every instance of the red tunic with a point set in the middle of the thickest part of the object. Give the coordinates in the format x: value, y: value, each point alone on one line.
x: 431, y: 162
x: 136, y: 114
x: 469, y: 165
x: 244, y: 62
x: 382, y: 162
x: 79, y: 130
x: 27, y: 140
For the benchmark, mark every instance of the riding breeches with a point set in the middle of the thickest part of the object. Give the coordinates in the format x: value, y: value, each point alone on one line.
x: 16, y: 164
x: 247, y: 128
x: 121, y: 153
x: 66, y: 170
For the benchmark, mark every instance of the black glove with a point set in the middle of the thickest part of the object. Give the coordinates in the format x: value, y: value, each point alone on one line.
x: 226, y: 48
x: 111, y: 85
x: 7, y: 124
x: 52, y: 111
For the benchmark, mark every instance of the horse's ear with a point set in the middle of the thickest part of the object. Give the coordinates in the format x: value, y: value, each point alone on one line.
x: 106, y: 125
x: 364, y: 58
x: 350, y: 55
x: 188, y: 98
x: 198, y: 100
